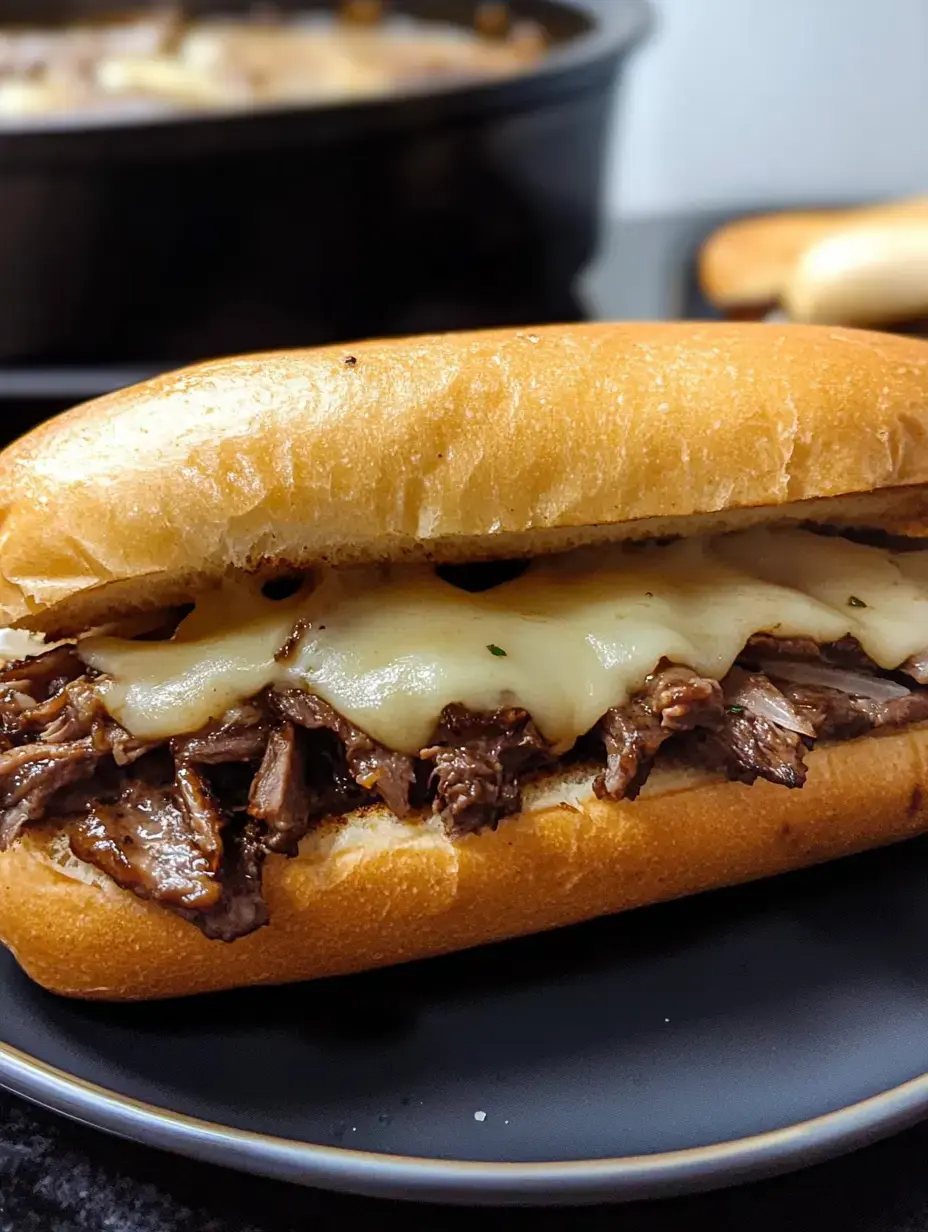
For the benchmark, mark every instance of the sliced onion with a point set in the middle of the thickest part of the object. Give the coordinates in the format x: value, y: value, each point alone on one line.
x: 858, y: 684
x: 764, y: 700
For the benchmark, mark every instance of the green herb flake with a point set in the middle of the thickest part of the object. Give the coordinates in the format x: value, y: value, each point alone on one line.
x: 853, y: 601
x: 735, y: 709
x: 496, y: 650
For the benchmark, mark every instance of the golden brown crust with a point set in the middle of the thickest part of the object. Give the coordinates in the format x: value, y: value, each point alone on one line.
x: 371, y: 892
x: 454, y: 447
x: 747, y: 263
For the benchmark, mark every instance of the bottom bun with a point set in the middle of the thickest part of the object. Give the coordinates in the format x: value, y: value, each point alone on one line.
x: 370, y: 891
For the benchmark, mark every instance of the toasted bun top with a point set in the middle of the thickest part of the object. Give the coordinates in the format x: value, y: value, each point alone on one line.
x: 455, y: 447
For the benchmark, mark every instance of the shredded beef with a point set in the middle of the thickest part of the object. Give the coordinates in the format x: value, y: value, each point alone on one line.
x: 479, y: 759
x: 674, y: 699
x: 70, y: 714
x: 833, y: 714
x: 279, y: 794
x: 747, y: 747
x: 200, y: 806
x: 632, y: 735
x: 836, y: 715
x: 13, y: 706
x: 767, y: 646
x: 31, y: 685
x: 31, y: 774
x: 155, y: 843
x: 331, y: 786
x: 215, y: 748
x: 682, y: 699
x: 847, y: 652
x: 41, y: 677
x: 125, y: 749
x: 900, y: 712
x: 375, y: 768
x: 241, y: 908
x: 242, y: 737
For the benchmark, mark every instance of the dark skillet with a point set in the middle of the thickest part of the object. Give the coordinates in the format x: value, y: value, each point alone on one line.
x: 169, y: 240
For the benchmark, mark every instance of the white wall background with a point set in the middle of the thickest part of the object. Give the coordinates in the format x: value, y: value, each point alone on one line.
x: 743, y: 102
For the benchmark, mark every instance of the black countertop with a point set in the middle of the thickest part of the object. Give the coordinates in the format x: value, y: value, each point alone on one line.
x: 56, y: 1176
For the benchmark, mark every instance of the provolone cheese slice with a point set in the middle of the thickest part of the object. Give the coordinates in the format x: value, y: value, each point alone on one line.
x: 389, y: 648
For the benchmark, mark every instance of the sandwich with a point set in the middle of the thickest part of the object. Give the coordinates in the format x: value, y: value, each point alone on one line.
x: 863, y: 267
x: 328, y: 660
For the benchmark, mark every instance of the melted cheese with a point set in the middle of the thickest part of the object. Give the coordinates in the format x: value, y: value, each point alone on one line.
x: 221, y: 654
x: 20, y: 644
x: 389, y: 648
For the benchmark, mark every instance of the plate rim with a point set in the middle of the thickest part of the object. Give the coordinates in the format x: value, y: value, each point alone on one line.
x: 467, y: 1182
